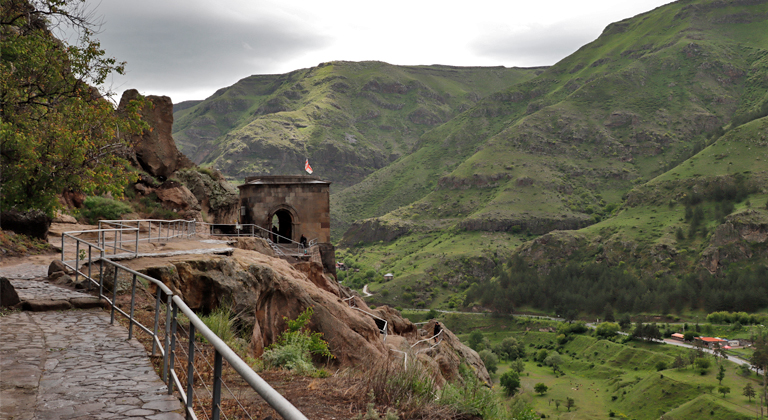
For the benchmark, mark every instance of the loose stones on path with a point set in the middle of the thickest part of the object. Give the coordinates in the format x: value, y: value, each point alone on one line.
x: 74, y: 364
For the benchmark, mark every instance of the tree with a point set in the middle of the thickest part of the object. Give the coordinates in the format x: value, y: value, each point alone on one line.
x: 518, y: 366
x: 475, y: 338
x: 57, y: 131
x: 510, y: 381
x: 554, y: 360
x: 569, y: 402
x: 749, y: 391
x: 540, y: 388
x: 489, y: 360
x: 721, y: 374
x: 701, y: 363
x: 509, y: 349
x: 661, y: 365
x: 541, y: 355
x: 607, y: 329
x: 724, y: 390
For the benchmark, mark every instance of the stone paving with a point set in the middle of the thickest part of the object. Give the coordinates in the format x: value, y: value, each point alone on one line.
x: 73, y: 364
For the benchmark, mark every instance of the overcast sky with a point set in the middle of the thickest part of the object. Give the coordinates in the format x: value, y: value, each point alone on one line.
x: 187, y: 49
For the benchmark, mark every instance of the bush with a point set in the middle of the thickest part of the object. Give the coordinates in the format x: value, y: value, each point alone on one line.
x: 100, y: 208
x: 510, y: 381
x: 220, y: 322
x: 490, y: 360
x: 296, y: 345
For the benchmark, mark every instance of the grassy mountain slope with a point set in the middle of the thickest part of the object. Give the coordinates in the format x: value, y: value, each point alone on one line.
x: 621, y: 140
x: 559, y: 150
x: 347, y: 118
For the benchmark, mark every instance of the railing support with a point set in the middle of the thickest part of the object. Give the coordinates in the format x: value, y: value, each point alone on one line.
x: 215, y: 406
x: 172, y: 350
x: 191, y: 370
x: 133, y: 298
x: 157, y: 320
x: 114, y: 298
x: 167, y: 338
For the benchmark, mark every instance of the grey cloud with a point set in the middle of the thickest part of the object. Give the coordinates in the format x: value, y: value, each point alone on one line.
x: 535, y: 46
x: 170, y: 52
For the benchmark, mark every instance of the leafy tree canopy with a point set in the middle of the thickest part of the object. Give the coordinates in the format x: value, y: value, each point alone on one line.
x: 57, y: 131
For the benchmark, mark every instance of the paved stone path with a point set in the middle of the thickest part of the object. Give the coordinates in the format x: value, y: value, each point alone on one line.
x: 73, y: 364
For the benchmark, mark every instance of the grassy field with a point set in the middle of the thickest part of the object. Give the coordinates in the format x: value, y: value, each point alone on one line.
x: 605, y: 377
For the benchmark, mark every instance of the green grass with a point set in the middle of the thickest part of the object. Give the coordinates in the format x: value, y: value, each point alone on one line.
x: 603, y: 376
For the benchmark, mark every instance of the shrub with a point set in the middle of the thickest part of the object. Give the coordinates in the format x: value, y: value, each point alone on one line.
x: 220, y: 322
x: 490, y: 360
x: 101, y: 208
x: 510, y: 381
x: 296, y: 345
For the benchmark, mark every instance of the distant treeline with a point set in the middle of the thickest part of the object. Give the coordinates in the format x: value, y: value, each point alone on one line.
x: 597, y: 289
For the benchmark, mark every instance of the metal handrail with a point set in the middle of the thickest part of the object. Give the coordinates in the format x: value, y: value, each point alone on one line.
x: 382, y: 330
x: 167, y: 346
x: 251, y: 231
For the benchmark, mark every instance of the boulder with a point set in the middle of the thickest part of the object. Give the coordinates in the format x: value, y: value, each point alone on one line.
x: 58, y: 266
x: 34, y: 223
x: 64, y: 218
x: 265, y: 291
x: 155, y: 149
x: 218, y: 198
x: 8, y: 295
x: 254, y: 244
x: 177, y: 197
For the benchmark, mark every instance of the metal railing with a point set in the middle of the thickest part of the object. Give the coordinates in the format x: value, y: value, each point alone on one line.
x: 275, y: 240
x: 122, y: 238
x: 381, y: 323
x: 167, y: 342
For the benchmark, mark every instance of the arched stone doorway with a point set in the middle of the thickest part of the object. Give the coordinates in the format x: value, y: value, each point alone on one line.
x: 282, y: 224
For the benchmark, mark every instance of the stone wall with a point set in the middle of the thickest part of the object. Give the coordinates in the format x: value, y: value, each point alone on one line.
x: 306, y: 198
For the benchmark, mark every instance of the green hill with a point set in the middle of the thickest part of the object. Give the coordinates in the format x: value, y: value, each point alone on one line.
x: 348, y: 118
x: 603, y: 155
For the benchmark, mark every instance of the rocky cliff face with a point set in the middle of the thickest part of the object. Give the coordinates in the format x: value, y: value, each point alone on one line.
x: 743, y: 235
x: 265, y: 290
x: 155, y: 149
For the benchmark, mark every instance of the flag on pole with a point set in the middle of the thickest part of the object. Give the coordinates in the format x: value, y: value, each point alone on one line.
x: 307, y: 167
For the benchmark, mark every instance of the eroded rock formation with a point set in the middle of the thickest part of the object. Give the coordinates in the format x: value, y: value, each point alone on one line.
x: 155, y: 149
x: 265, y: 290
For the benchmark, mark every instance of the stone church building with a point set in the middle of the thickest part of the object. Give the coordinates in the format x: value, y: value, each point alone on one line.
x: 290, y: 205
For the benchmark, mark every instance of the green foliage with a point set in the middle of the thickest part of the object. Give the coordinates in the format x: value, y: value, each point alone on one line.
x: 475, y: 339
x: 661, y: 365
x: 724, y: 390
x: 490, y: 360
x: 294, y: 348
x: 102, y: 208
x: 474, y: 398
x: 607, y: 329
x: 749, y: 391
x: 220, y: 322
x: 510, y: 381
x: 509, y: 349
x: 56, y: 132
x: 540, y: 388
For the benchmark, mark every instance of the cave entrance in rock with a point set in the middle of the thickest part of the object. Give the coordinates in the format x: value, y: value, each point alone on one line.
x: 282, y: 223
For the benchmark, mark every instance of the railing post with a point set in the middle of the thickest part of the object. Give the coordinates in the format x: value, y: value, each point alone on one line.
x: 215, y: 409
x: 114, y: 297
x: 167, y: 337
x: 62, y: 247
x: 133, y: 296
x: 191, y: 370
x: 157, y: 321
x: 101, y: 273
x: 149, y: 234
x: 115, y: 247
x: 90, y: 263
x: 77, y: 260
x: 138, y: 232
x: 172, y: 350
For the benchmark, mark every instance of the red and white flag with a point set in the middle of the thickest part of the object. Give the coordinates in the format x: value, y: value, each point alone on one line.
x: 307, y: 167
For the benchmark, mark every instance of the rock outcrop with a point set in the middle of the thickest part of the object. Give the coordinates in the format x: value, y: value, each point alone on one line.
x: 735, y: 239
x: 155, y: 149
x: 33, y: 223
x: 218, y: 198
x: 264, y: 291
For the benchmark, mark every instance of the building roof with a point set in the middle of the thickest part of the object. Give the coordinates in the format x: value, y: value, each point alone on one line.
x: 678, y: 335
x: 711, y: 339
x: 389, y: 275
x: 282, y: 180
